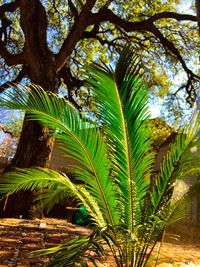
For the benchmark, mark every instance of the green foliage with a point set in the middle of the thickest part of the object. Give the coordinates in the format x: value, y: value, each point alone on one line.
x: 10, y: 129
x: 102, y: 41
x: 160, y: 131
x: 128, y: 204
x: 74, y: 251
x: 11, y: 123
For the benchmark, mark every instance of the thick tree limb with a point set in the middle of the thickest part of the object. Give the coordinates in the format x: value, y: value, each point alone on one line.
x: 75, y: 34
x: 11, y: 59
x: 107, y: 15
x: 172, y: 15
x: 5, y: 23
x: 36, y: 37
x: 9, y: 7
x: 39, y: 58
x: 92, y: 35
x: 73, y: 8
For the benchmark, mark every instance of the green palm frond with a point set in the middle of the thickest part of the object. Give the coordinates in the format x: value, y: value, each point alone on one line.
x: 39, y: 178
x: 121, y: 99
x: 178, y: 208
x: 164, y: 182
x: 79, y: 250
x: 79, y: 138
x: 190, y: 162
x: 30, y: 179
x: 50, y: 197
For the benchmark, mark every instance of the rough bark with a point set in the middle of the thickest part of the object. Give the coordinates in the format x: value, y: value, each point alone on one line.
x: 34, y: 147
x: 35, y: 144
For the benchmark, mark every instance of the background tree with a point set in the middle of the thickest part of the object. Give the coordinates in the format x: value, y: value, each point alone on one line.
x: 48, y: 41
x: 10, y: 129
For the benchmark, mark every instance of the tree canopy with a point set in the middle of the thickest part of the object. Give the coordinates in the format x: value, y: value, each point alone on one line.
x: 57, y: 36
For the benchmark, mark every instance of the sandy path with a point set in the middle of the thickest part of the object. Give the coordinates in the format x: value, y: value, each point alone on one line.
x: 18, y: 237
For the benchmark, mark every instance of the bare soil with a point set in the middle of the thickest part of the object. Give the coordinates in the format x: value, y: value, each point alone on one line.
x: 18, y: 237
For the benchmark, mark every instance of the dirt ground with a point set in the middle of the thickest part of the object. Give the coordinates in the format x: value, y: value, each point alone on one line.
x: 18, y: 237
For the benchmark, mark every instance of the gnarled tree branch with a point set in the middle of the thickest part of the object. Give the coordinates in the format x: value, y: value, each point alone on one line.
x: 82, y: 21
x: 11, y: 59
x: 171, y: 15
x: 36, y: 38
x: 147, y: 25
x: 73, y: 8
x: 9, y: 7
x: 171, y: 47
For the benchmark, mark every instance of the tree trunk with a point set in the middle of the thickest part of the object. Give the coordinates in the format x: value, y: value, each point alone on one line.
x: 34, y: 149
x: 35, y: 146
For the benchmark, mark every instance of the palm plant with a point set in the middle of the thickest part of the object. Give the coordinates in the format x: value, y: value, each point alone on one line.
x: 128, y: 203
